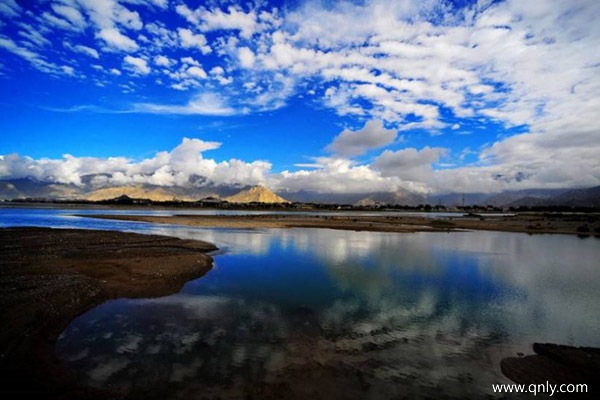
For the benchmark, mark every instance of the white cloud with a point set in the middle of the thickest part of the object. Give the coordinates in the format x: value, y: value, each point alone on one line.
x: 36, y: 59
x: 217, y: 71
x: 128, y: 19
x: 203, y: 104
x: 70, y: 14
x: 407, y: 168
x: 196, y: 72
x: 409, y: 164
x: 102, y: 13
x: 333, y: 175
x: 107, y: 14
x: 137, y: 65
x: 172, y: 168
x: 175, y: 168
x: 109, y: 18
x: 116, y: 40
x: 34, y: 36
x: 10, y: 8
x: 514, y: 62
x: 161, y: 3
x: 163, y: 61
x: 383, y: 58
x: 191, y: 40
x: 234, y: 18
x: 246, y: 57
x: 371, y: 136
x: 410, y: 66
x: 161, y: 37
x: 57, y: 22
x: 190, y: 61
x: 68, y: 70
x: 218, y: 74
x: 157, y: 3
x: 79, y: 48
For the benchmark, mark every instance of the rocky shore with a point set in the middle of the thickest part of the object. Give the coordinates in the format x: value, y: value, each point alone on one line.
x: 556, y: 365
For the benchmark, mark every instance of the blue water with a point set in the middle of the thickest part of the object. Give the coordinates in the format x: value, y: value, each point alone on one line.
x: 318, y: 313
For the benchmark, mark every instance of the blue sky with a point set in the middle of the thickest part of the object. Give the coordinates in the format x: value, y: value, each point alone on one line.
x: 432, y: 96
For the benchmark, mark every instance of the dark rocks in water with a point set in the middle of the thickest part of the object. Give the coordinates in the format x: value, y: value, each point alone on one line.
x: 557, y: 364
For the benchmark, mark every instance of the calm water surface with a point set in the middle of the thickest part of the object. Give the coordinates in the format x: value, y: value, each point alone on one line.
x: 337, y: 314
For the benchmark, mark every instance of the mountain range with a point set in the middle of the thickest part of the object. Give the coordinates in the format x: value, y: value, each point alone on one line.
x: 259, y: 194
x: 31, y: 188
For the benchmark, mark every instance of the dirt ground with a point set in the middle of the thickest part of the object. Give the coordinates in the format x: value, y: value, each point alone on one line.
x: 49, y: 276
x: 580, y: 224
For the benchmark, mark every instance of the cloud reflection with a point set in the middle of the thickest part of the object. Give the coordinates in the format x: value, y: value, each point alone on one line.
x: 416, y: 315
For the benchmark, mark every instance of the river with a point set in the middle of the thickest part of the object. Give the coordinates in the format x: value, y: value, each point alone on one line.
x: 358, y: 314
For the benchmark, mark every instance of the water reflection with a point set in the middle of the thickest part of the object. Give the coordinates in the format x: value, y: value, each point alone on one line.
x: 339, y: 314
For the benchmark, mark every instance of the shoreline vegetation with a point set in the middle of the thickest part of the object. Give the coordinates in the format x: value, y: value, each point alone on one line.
x: 579, y: 224
x: 50, y: 276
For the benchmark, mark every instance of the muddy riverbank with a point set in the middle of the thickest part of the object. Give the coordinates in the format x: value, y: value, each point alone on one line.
x: 564, y: 224
x: 49, y: 276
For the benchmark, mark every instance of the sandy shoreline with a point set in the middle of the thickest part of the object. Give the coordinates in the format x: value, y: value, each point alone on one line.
x: 564, y: 224
x: 49, y: 276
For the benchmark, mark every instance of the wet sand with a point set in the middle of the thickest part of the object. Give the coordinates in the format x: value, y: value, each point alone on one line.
x: 566, y: 224
x: 49, y: 276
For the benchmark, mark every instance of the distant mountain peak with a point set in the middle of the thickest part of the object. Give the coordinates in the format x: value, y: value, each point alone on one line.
x: 134, y: 192
x: 258, y: 193
x: 399, y: 197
